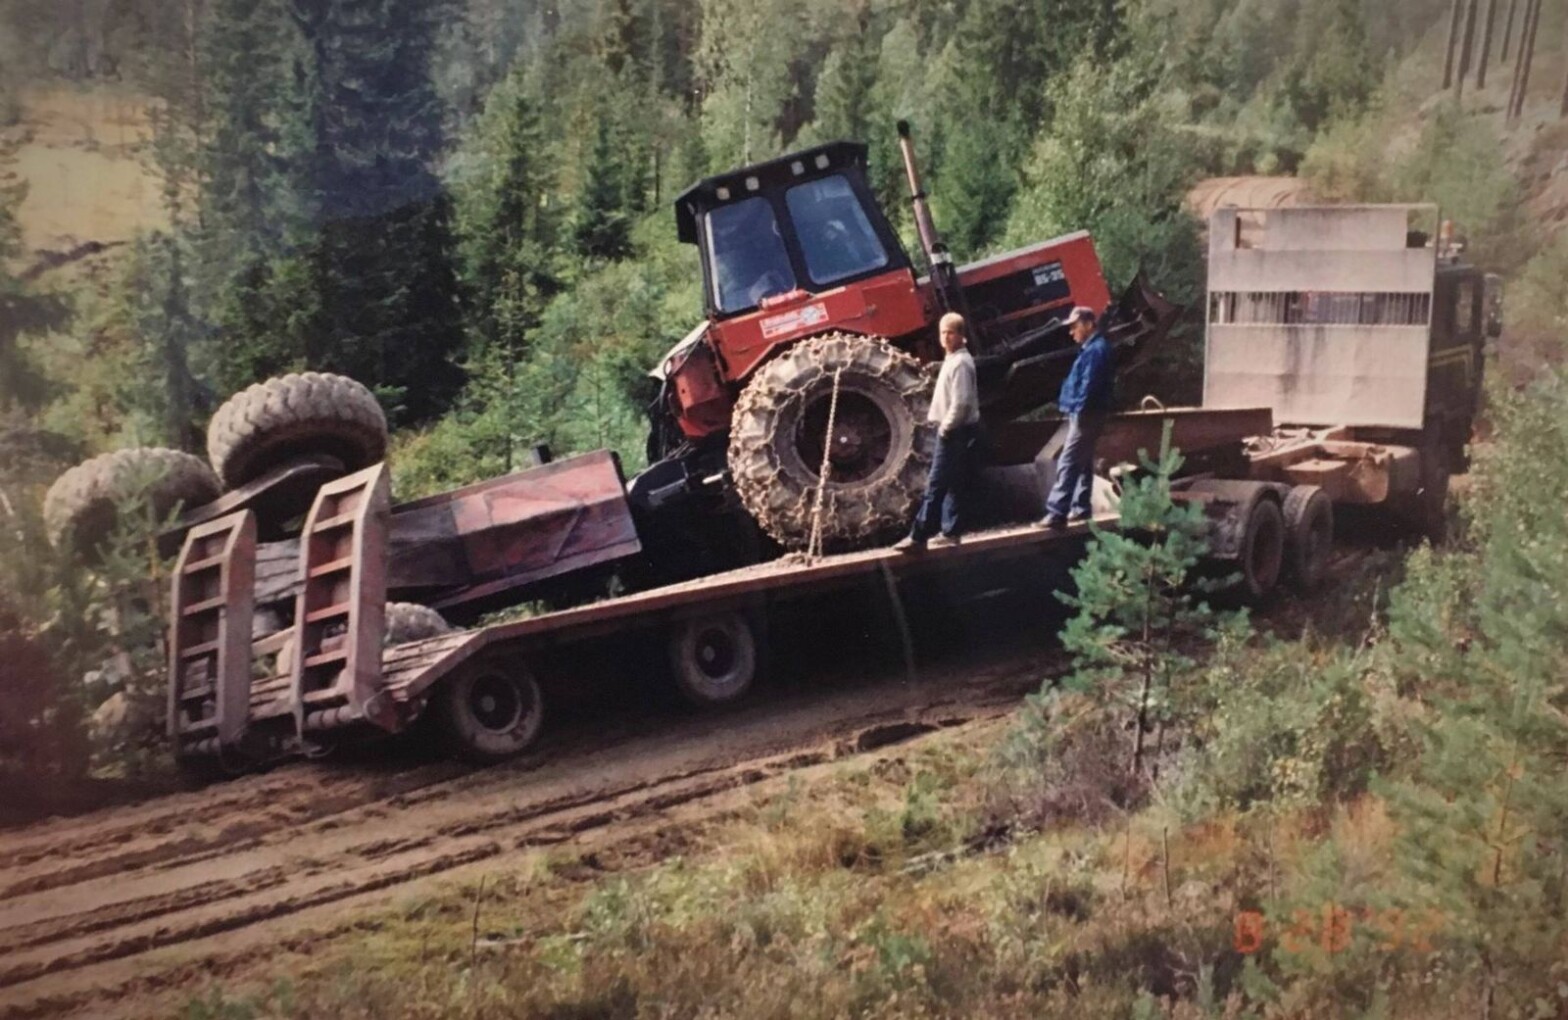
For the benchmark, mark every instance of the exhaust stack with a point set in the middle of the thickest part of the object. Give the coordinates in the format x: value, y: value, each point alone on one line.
x: 943, y: 276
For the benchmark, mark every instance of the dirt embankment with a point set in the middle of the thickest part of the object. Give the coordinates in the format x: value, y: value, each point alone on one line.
x: 84, y: 158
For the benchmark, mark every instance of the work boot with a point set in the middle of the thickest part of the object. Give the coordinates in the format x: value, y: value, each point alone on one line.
x: 1078, y: 519
x: 945, y: 541
x: 910, y: 544
x: 1052, y: 523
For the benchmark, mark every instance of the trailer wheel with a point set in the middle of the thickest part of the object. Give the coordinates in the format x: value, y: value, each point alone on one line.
x: 1309, y: 535
x: 490, y: 712
x: 271, y: 422
x: 714, y: 659
x: 1262, y: 550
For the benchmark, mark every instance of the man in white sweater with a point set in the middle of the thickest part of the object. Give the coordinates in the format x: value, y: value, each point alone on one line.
x: 955, y: 410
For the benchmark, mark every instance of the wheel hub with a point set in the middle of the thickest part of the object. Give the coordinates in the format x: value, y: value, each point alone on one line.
x: 862, y: 436
x: 495, y: 703
x: 716, y: 653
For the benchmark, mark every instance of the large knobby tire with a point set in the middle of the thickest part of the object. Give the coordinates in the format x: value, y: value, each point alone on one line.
x: 490, y: 711
x: 273, y: 422
x: 882, y: 444
x: 1309, y: 536
x: 1262, y: 550
x: 409, y: 621
x: 714, y: 659
x: 82, y: 506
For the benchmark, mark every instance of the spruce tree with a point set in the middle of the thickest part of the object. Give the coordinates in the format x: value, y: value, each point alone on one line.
x: 509, y: 234
x: 844, y: 87
x: 380, y: 290
x: 1138, y: 620
x: 600, y: 228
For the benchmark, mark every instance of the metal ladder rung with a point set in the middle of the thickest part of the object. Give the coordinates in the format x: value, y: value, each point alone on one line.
x: 330, y: 612
x: 204, y: 606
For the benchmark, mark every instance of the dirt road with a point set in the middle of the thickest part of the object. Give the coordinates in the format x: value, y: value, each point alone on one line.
x: 130, y: 912
x: 1246, y: 193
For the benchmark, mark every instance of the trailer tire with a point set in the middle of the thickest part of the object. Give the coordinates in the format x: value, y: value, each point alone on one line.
x: 714, y: 659
x: 1309, y: 535
x: 409, y: 621
x: 490, y: 712
x: 1262, y: 550
x: 271, y: 422
x: 884, y: 448
x: 81, y: 507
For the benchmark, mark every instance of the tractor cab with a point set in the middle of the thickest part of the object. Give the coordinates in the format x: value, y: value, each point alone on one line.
x: 803, y: 224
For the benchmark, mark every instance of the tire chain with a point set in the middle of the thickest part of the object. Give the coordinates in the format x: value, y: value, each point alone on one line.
x: 409, y: 621
x: 781, y: 504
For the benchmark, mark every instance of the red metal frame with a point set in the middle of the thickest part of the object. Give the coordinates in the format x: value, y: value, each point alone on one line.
x: 209, y: 634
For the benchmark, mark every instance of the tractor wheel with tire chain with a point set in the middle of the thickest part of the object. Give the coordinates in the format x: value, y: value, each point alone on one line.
x: 1309, y: 535
x: 882, y: 444
x: 82, y: 506
x: 272, y: 422
x: 409, y: 621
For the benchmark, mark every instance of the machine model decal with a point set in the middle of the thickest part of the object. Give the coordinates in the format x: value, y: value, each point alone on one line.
x: 794, y: 319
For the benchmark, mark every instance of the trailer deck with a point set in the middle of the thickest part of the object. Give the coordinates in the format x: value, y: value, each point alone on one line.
x: 409, y: 670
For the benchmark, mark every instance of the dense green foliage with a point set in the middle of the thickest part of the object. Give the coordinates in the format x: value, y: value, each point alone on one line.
x: 400, y: 190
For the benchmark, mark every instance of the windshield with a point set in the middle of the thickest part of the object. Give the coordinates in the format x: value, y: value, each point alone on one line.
x: 835, y: 234
x: 749, y: 260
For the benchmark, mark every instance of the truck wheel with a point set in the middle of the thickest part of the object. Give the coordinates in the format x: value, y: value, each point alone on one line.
x: 881, y: 447
x: 1427, y: 510
x: 271, y: 422
x: 1309, y: 535
x: 1262, y: 550
x: 714, y: 659
x: 490, y: 712
x: 408, y: 621
x: 81, y: 507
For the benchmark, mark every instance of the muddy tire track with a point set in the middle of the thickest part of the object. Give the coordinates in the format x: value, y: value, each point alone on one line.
x: 110, y: 913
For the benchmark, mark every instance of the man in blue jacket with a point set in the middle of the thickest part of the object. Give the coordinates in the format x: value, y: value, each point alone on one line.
x: 1085, y: 400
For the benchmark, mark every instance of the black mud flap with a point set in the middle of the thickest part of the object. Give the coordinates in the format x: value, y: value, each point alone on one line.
x: 1028, y: 373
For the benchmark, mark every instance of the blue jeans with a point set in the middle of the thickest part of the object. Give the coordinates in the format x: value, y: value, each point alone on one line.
x: 951, y: 469
x: 1074, y: 489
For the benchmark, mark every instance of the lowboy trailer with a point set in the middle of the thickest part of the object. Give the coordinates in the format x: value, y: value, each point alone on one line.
x: 236, y: 697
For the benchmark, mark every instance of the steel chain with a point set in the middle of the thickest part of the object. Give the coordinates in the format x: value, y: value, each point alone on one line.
x: 814, y: 546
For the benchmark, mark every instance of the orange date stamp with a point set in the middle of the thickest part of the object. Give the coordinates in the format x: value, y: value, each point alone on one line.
x: 1332, y: 929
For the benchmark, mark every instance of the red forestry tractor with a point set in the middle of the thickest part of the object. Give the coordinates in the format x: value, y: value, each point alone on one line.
x: 808, y: 290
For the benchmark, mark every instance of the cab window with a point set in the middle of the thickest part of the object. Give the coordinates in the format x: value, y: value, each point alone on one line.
x: 835, y: 234
x: 749, y: 258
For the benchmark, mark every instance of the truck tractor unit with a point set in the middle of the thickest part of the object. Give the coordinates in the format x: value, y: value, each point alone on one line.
x: 815, y: 310
x: 1343, y: 365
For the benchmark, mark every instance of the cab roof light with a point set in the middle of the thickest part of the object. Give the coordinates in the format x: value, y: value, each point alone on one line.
x: 822, y: 161
x: 723, y: 194
x: 752, y: 184
x: 797, y: 168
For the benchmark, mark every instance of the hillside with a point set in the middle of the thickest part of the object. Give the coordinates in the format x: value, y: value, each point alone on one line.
x: 1354, y: 802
